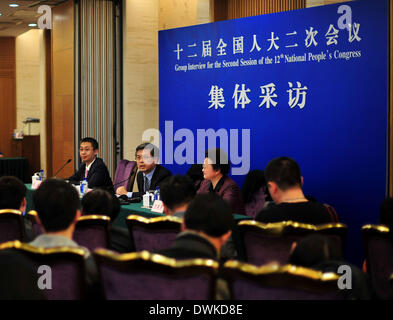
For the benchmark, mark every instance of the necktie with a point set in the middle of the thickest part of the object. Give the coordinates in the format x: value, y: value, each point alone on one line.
x: 147, y: 184
x: 86, y: 172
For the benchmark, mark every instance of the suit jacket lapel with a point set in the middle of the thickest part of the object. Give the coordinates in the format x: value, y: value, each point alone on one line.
x: 92, y: 168
x: 155, y: 177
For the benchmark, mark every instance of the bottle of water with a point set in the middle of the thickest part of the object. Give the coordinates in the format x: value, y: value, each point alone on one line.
x: 42, y: 175
x: 157, y: 194
x: 84, y: 186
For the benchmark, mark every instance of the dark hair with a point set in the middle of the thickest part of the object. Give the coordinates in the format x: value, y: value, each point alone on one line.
x: 210, y: 214
x: 255, y: 180
x: 100, y: 201
x: 12, y: 192
x: 93, y: 142
x: 154, y: 152
x: 314, y: 249
x: 196, y: 174
x: 177, y: 190
x: 285, y: 172
x: 56, y: 202
x: 219, y: 159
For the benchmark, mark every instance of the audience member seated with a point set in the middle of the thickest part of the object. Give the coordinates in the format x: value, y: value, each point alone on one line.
x: 254, y: 192
x: 57, y: 205
x: 176, y: 193
x: 206, y: 226
x: 150, y: 174
x: 196, y: 175
x: 215, y: 172
x: 101, y: 202
x: 92, y: 167
x: 13, y: 196
x: 285, y: 182
x: 385, y: 218
x: 318, y: 252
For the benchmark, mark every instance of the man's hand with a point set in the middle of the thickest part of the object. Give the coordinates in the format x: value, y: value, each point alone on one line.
x: 121, y: 190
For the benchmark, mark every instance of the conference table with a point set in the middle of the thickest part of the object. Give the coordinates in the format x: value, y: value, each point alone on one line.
x: 125, y: 210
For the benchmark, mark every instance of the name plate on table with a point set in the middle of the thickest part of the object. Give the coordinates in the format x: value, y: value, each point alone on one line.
x: 158, y: 206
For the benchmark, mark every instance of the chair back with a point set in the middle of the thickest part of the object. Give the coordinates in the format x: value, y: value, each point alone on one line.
x: 378, y: 248
x: 147, y: 276
x: 153, y: 234
x: 92, y: 232
x: 11, y: 225
x: 266, y: 242
x: 276, y: 282
x: 31, y: 216
x: 65, y: 277
x: 256, y: 203
x: 123, y: 172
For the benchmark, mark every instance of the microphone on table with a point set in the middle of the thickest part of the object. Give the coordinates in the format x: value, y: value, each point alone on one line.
x: 68, y: 161
x: 123, y: 198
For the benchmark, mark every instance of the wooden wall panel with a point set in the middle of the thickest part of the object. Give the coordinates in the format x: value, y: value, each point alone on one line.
x: 233, y: 9
x: 62, y: 128
x: 7, y: 94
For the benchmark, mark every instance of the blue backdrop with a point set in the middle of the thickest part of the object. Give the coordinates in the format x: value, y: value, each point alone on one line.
x: 304, y: 88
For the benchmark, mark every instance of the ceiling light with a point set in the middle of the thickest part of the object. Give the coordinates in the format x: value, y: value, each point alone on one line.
x: 32, y: 25
x: 14, y: 5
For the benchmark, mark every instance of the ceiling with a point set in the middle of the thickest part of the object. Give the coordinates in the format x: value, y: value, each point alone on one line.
x: 14, y: 21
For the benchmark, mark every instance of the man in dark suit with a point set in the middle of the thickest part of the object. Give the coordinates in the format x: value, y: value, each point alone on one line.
x: 92, y: 167
x: 150, y: 174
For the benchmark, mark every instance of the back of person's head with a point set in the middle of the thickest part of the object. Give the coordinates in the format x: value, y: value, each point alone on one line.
x: 220, y: 160
x: 255, y: 180
x: 314, y: 249
x: 210, y: 214
x: 12, y: 192
x: 154, y: 151
x: 94, y: 142
x: 285, y: 172
x: 56, y: 203
x: 195, y: 173
x: 176, y: 191
x: 101, y: 202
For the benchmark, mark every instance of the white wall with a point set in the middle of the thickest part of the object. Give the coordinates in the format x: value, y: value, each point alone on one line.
x: 30, y: 85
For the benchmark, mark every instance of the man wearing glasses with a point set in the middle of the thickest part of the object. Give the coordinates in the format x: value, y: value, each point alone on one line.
x: 150, y: 174
x: 92, y: 167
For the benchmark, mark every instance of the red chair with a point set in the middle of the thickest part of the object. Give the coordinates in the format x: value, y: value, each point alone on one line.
x: 125, y: 172
x: 92, y: 232
x: 378, y: 247
x: 67, y: 267
x: 11, y: 225
x: 275, y: 282
x: 266, y: 242
x: 153, y: 234
x: 148, y: 276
